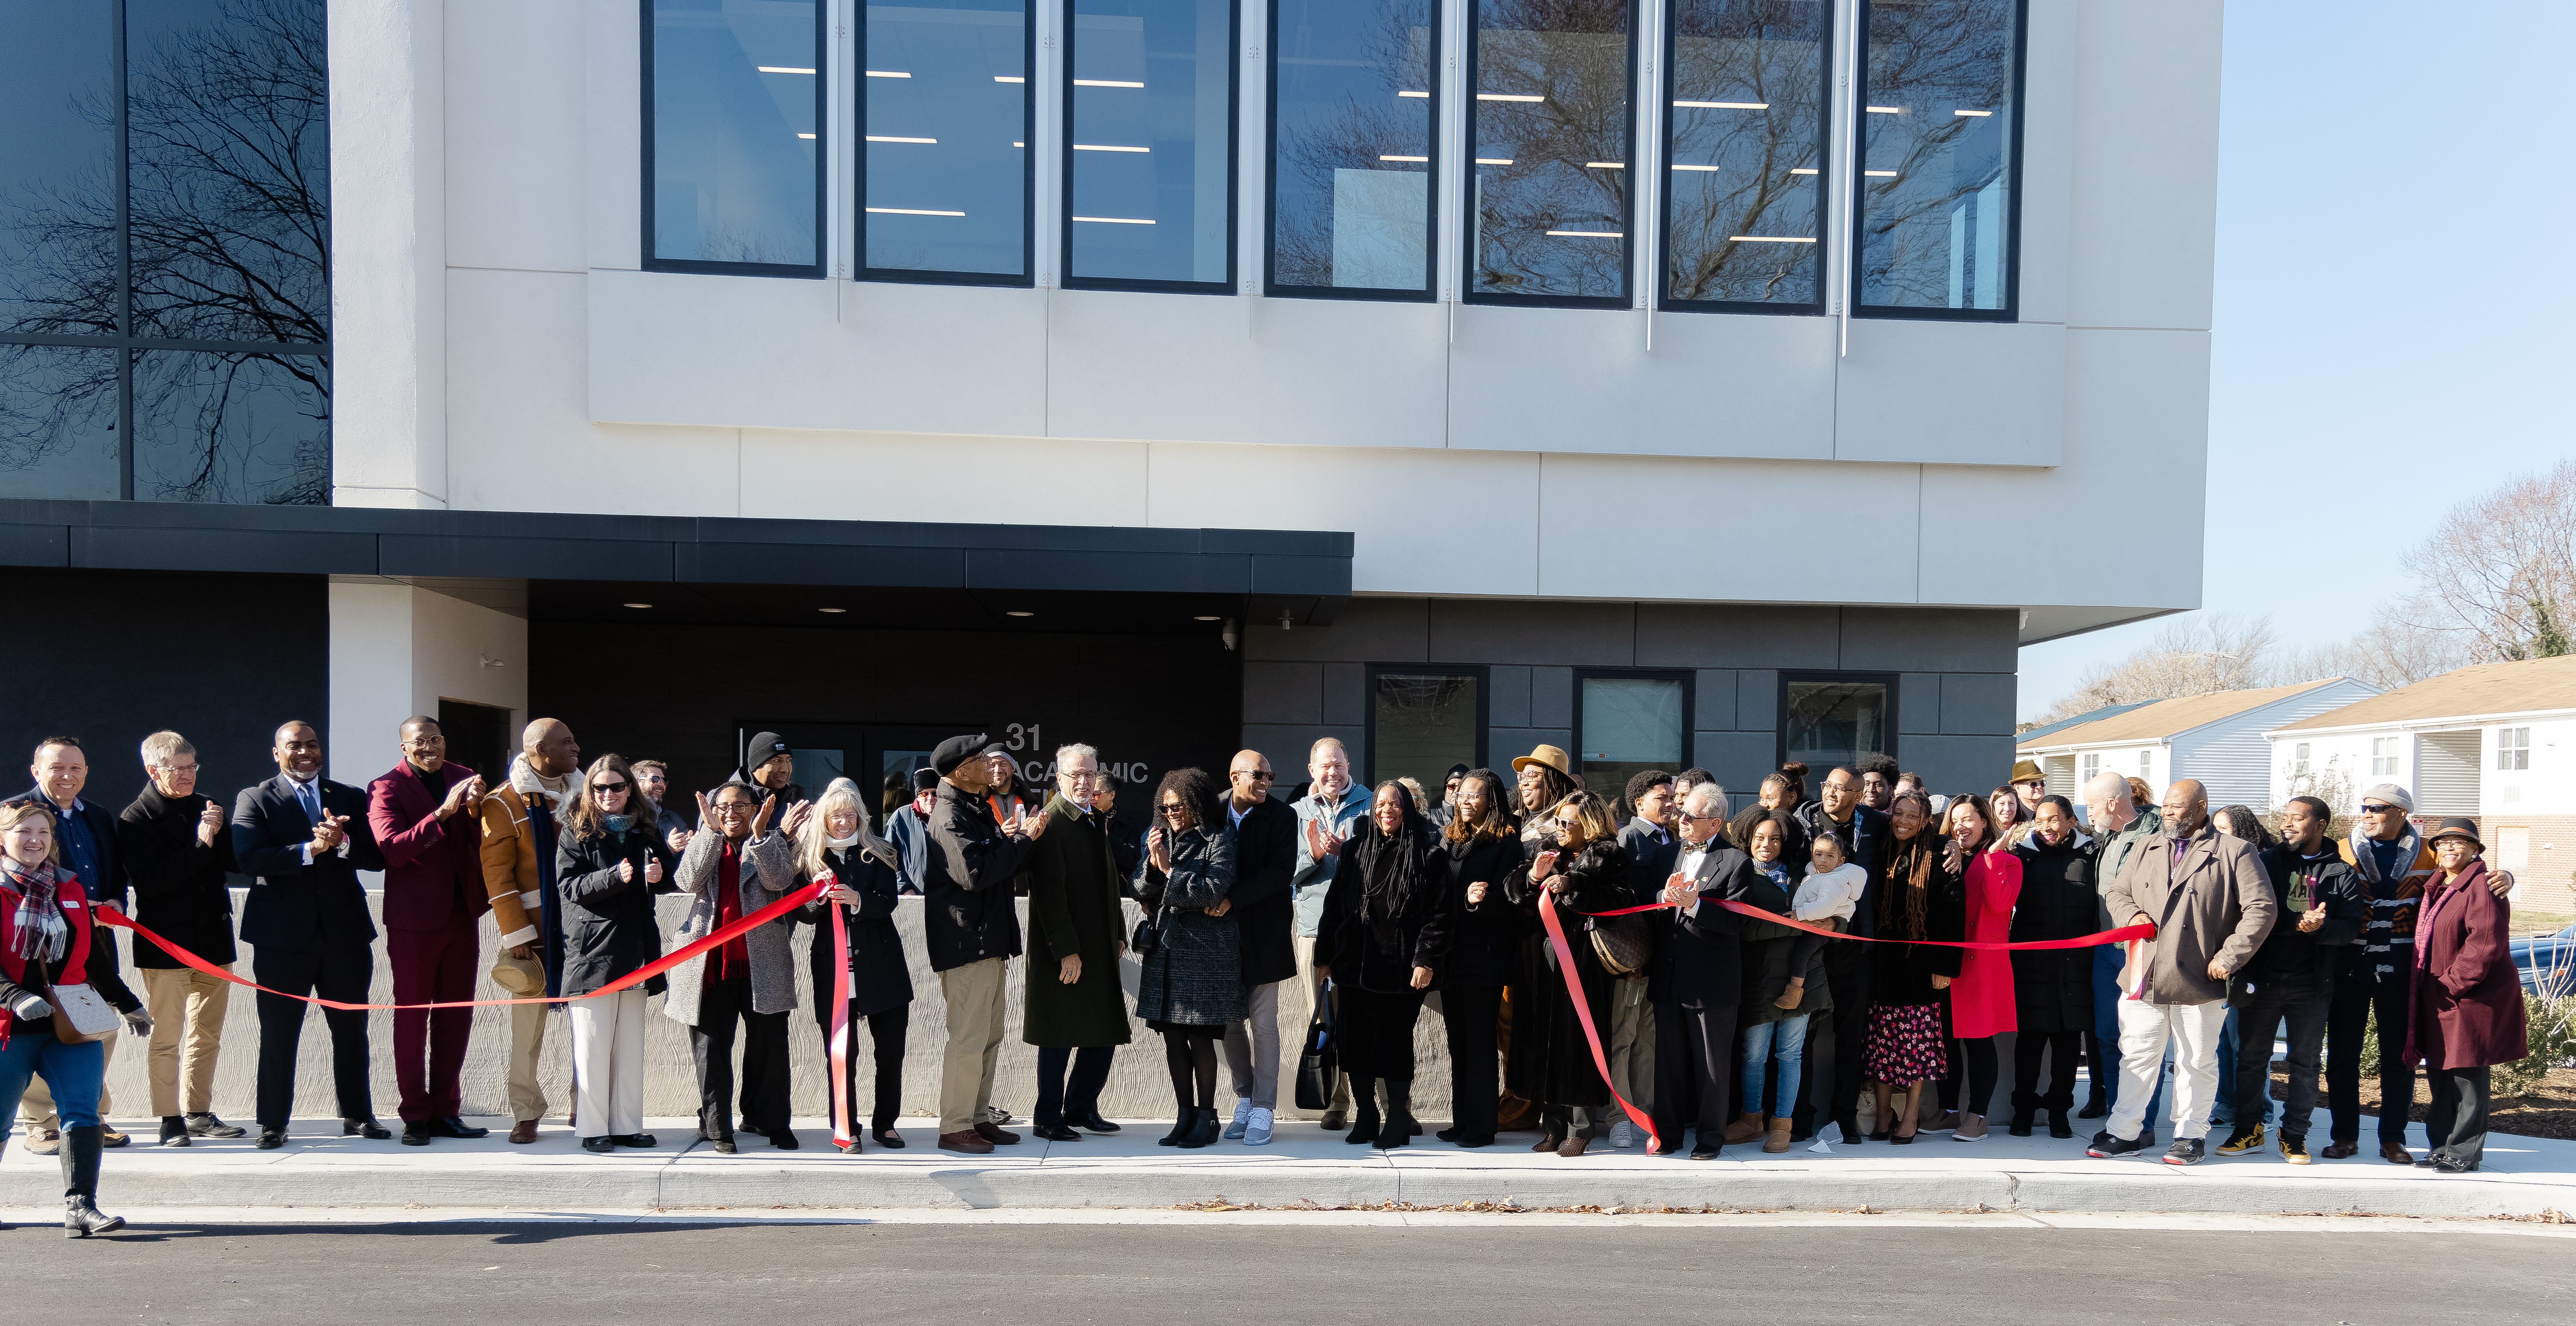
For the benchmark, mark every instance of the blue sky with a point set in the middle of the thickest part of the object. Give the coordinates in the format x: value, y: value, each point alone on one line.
x: 2392, y: 333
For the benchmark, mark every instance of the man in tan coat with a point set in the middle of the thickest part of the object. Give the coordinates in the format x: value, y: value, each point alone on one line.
x: 519, y: 873
x: 2210, y: 901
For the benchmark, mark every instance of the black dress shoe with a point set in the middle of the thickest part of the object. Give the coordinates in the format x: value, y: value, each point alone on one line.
x: 887, y: 1137
x: 452, y: 1126
x: 416, y: 1134
x: 1704, y: 1153
x: 366, y: 1128
x: 1094, y: 1123
x: 1055, y: 1132
x: 1448, y: 1134
x: 784, y: 1139
x: 207, y: 1125
x: 601, y: 1145
x: 723, y: 1146
x: 1470, y: 1141
x: 174, y: 1131
x: 635, y: 1140
x: 271, y: 1139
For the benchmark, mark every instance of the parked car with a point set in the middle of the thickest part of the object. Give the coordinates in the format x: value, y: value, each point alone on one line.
x: 2550, y: 959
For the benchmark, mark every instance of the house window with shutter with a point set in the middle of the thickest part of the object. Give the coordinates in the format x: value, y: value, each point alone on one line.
x: 2513, y: 748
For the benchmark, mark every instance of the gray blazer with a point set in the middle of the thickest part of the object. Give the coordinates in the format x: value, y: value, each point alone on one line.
x: 769, y: 874
x: 2216, y: 902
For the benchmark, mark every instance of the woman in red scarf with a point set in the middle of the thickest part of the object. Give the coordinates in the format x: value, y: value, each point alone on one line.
x: 2468, y: 998
x: 46, y: 942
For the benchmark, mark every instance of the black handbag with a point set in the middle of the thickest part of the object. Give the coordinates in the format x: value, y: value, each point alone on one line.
x: 1621, y: 942
x: 1320, y: 1062
x: 1145, y: 940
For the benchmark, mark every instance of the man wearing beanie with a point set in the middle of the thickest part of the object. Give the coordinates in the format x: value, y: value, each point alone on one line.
x: 973, y: 931
x: 2395, y: 864
x: 908, y: 828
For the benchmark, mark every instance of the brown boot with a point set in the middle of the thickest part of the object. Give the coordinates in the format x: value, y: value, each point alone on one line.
x: 1745, y: 1128
x: 1794, y: 995
x: 1778, y: 1141
x: 967, y: 1142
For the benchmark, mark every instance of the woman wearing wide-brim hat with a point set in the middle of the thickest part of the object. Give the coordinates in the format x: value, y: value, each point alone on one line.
x: 2468, y: 997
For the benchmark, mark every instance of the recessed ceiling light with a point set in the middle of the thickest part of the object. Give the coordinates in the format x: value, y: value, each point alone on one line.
x: 1018, y: 613
x: 1205, y: 619
x: 831, y: 610
x: 639, y: 605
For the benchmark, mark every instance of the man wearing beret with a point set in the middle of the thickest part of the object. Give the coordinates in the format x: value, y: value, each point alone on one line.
x: 973, y: 931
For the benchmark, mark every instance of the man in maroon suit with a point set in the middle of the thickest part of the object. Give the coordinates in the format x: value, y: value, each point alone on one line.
x: 424, y: 814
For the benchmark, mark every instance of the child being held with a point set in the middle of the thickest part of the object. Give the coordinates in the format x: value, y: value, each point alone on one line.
x: 1832, y: 889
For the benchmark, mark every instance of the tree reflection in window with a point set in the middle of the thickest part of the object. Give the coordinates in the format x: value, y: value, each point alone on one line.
x: 1938, y: 135
x: 225, y: 232
x: 1550, y: 130
x: 1743, y: 198
x: 1352, y: 124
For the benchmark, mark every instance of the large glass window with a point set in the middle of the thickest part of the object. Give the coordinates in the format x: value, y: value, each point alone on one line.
x: 187, y: 277
x: 1424, y: 720
x: 1940, y: 133
x: 1625, y: 725
x: 1836, y: 719
x: 1353, y: 128
x: 945, y: 118
x: 1149, y: 150
x: 734, y: 136
x: 1743, y: 199
x: 1549, y: 132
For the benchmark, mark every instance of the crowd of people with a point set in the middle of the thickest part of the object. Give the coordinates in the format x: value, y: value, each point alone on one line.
x: 1658, y: 912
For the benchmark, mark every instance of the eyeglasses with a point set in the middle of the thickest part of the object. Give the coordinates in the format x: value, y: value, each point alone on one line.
x: 607, y: 787
x: 1257, y: 775
x: 2369, y: 809
x: 1175, y: 808
x: 732, y: 808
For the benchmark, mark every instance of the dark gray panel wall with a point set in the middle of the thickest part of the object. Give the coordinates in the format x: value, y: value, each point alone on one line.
x: 1954, y: 671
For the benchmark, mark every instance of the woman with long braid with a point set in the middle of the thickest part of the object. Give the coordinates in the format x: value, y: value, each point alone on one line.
x: 1924, y: 898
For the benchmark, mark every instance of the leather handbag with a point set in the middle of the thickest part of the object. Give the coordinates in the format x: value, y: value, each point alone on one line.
x: 1621, y: 942
x: 1320, y: 1062
x: 80, y: 1015
x: 1145, y: 940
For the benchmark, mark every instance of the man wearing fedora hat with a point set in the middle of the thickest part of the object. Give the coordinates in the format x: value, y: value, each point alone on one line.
x: 972, y: 929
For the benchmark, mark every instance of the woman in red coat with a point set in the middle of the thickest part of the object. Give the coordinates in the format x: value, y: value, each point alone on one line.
x: 2468, y: 997
x: 1981, y: 999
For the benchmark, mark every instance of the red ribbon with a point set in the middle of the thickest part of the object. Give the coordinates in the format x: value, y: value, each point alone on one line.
x: 844, y: 1134
x: 1583, y: 1007
x: 2124, y: 934
x: 108, y: 913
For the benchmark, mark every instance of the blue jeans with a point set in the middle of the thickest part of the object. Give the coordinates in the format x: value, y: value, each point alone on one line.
x: 74, y: 1073
x: 1789, y: 1036
x: 2107, y: 959
x: 2223, y: 1114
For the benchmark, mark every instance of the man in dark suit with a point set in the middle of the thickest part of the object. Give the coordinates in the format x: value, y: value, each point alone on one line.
x: 1648, y: 839
x: 85, y: 834
x: 1841, y: 809
x: 1701, y: 975
x: 304, y: 839
x: 1263, y: 906
x: 423, y: 815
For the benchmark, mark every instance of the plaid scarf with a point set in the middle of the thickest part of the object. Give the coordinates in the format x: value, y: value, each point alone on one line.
x: 40, y: 933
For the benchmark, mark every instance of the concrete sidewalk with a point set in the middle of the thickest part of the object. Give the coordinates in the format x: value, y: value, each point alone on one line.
x: 1304, y: 1166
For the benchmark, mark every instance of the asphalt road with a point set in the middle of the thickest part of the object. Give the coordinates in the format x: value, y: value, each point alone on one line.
x: 1060, y: 1275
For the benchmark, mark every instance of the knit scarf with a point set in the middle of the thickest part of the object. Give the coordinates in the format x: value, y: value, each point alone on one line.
x: 40, y: 932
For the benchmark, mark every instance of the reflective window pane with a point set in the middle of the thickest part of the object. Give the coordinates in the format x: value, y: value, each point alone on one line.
x: 1150, y: 181
x: 734, y: 175
x: 232, y: 428
x: 1938, y: 80
x: 58, y: 422
x: 228, y: 153
x: 1742, y: 194
x: 946, y: 117
x: 1550, y: 130
x: 1352, y: 143
x: 58, y: 168
x: 1827, y: 723
x: 1424, y: 723
x: 1627, y: 726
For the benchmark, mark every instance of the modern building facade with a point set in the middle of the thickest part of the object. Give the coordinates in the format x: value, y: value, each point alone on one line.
x: 1678, y: 381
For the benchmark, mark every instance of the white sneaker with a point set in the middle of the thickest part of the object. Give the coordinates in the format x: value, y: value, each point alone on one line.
x: 1256, y: 1131
x: 1623, y: 1135
x: 1242, y: 1116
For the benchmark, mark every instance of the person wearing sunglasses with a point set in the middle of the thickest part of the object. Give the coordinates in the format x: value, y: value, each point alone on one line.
x: 729, y: 874
x: 608, y: 865
x: 1265, y: 861
x: 1192, y: 986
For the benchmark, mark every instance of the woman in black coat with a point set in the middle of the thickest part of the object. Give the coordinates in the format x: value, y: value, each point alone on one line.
x: 1192, y: 985
x: 2052, y: 988
x: 1925, y: 897
x: 1478, y: 850
x: 1382, y: 933
x: 835, y: 841
x: 1586, y: 871
x: 608, y: 866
